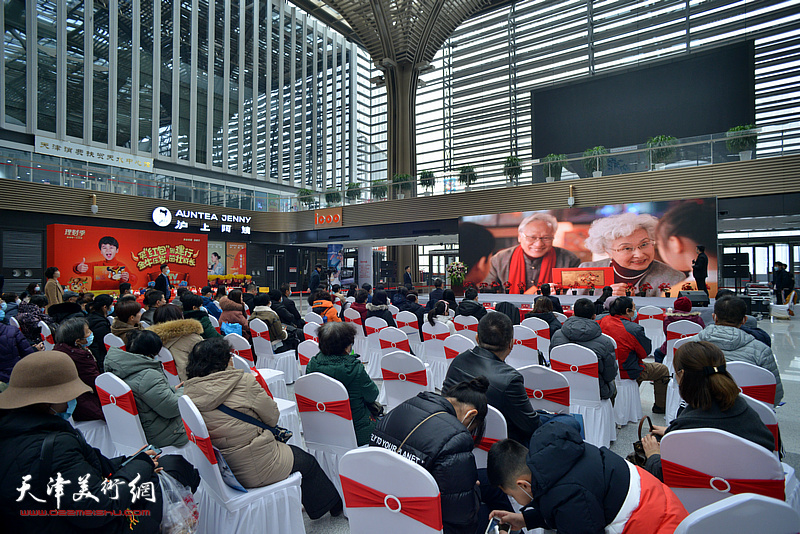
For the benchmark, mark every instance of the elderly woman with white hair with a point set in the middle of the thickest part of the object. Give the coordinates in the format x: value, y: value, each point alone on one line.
x: 628, y: 239
x: 532, y: 261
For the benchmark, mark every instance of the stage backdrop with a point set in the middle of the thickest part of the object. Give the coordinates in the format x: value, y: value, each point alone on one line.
x: 494, y: 248
x: 99, y: 259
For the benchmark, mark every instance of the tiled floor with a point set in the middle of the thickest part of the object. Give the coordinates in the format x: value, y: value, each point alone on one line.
x: 785, y: 344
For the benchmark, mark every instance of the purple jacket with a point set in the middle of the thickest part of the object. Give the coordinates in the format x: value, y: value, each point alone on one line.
x: 679, y: 316
x: 13, y: 346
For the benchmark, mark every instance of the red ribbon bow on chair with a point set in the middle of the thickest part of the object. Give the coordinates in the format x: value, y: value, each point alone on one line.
x: 203, y: 443
x: 677, y: 335
x: 644, y: 316
x: 589, y: 369
x: 261, y: 381
x: 450, y: 353
x: 303, y: 358
x: 264, y: 334
x: 679, y: 476
x: 50, y: 339
x: 403, y: 324
x: 774, y: 430
x: 426, y: 510
x: 557, y: 395
x: 315, y: 339
x: 441, y: 337
x: 402, y: 344
x: 370, y: 330
x: 486, y: 443
x: 459, y: 327
x: 531, y: 343
x: 340, y: 408
x: 247, y: 354
x: 764, y: 393
x: 170, y: 367
x: 544, y: 333
x: 357, y: 320
x: 125, y: 401
x: 418, y: 377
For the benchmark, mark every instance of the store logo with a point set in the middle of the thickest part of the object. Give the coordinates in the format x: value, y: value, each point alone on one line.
x: 162, y: 216
x: 328, y: 217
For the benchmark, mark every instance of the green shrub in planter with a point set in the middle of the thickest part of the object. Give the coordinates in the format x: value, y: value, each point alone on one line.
x: 427, y: 179
x: 379, y: 189
x: 554, y: 163
x: 595, y: 160
x: 402, y: 183
x: 662, y: 155
x: 333, y: 196
x: 306, y: 196
x: 741, y: 138
x: 353, y: 191
x: 512, y: 168
x: 467, y: 175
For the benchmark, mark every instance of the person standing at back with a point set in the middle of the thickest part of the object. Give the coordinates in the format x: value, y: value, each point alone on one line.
x: 700, y: 269
x: 313, y: 283
x: 162, y: 282
x: 52, y: 288
x: 407, y: 276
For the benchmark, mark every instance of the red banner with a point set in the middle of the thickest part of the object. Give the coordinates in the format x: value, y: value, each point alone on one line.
x: 100, y: 259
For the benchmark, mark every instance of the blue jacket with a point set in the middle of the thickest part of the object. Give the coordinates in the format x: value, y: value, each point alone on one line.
x: 211, y: 307
x: 12, y: 308
x: 13, y: 346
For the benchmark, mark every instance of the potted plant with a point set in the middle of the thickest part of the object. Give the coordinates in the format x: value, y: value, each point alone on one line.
x: 379, y: 189
x: 506, y: 286
x: 687, y: 287
x: 402, y: 184
x: 427, y: 180
x: 353, y: 192
x: 644, y: 288
x: 595, y: 161
x: 629, y: 289
x: 467, y: 176
x: 483, y: 287
x: 574, y: 287
x: 306, y: 196
x: 512, y: 169
x: 521, y: 288
x: 554, y: 163
x: 496, y: 286
x: 742, y: 140
x: 456, y: 272
x: 333, y: 197
x: 664, y: 287
x: 590, y: 286
x: 660, y: 156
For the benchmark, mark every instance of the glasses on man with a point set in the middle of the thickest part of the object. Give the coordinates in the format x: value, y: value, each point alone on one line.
x: 534, y: 238
x: 643, y: 246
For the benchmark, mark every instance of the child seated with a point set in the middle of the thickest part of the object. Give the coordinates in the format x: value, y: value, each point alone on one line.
x: 572, y: 486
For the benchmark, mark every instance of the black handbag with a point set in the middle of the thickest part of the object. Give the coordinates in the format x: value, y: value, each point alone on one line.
x: 281, y: 434
x: 638, y: 457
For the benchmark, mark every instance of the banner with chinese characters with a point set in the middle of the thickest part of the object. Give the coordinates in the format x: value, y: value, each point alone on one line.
x: 100, y: 259
x: 76, y: 151
x: 236, y: 258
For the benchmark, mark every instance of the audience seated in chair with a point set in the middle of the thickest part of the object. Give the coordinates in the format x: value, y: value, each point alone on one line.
x: 192, y: 310
x: 13, y: 346
x: 73, y: 338
x: 441, y: 314
x: 128, y: 313
x: 99, y: 310
x: 379, y: 307
x: 712, y: 399
x: 682, y: 311
x: 470, y: 306
x: 546, y: 290
x: 233, y: 307
x: 277, y: 333
x: 543, y: 309
x: 178, y: 335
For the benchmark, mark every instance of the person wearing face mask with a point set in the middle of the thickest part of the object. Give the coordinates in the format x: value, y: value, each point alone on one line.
x: 633, y: 346
x: 162, y: 282
x: 99, y: 310
x: 41, y: 446
x: 11, y: 308
x: 439, y: 432
x: 52, y: 288
x: 73, y: 338
x: 13, y: 346
x: 573, y: 486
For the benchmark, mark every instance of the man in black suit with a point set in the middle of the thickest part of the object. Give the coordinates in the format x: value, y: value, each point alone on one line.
x: 554, y: 299
x: 407, y: 276
x: 162, y: 282
x: 313, y: 284
x: 700, y: 269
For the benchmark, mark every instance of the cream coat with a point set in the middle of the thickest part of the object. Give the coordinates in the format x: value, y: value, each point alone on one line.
x: 179, y: 337
x: 251, y: 452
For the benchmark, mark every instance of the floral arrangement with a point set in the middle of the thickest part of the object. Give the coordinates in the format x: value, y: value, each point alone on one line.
x: 556, y: 288
x: 521, y: 287
x: 496, y: 286
x: 574, y: 285
x: 664, y: 287
x: 644, y: 288
x: 217, y: 280
x: 590, y: 286
x: 629, y: 288
x: 507, y: 285
x: 686, y: 287
x: 483, y: 287
x: 457, y: 271
x: 470, y: 284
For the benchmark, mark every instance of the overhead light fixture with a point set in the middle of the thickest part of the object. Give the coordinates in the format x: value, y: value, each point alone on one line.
x: 95, y: 209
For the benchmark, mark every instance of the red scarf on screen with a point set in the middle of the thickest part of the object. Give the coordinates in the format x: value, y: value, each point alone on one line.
x: 517, y: 271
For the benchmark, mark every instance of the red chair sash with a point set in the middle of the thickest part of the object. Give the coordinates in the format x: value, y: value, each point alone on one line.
x: 486, y: 443
x: 449, y: 353
x: 589, y: 369
x: 125, y: 402
x: 531, y: 343
x: 774, y: 430
x: 679, y: 476
x: 263, y: 335
x: 426, y: 510
x: 203, y: 443
x: 315, y: 339
x: 247, y: 354
x: 544, y: 332
x: 50, y: 339
x: 413, y: 324
x: 764, y: 392
x: 441, y: 337
x: 340, y: 408
x: 217, y: 328
x: 402, y: 344
x: 303, y: 358
x: 170, y: 367
x: 261, y: 381
x: 459, y: 327
x: 557, y: 395
x: 644, y: 316
x: 677, y: 335
x: 417, y: 377
x: 370, y: 330
x: 357, y: 320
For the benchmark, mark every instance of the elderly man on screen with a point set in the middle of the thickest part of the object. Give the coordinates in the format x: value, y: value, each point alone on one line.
x: 533, y: 260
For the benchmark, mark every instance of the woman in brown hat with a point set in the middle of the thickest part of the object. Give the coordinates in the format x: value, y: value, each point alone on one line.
x: 42, y: 450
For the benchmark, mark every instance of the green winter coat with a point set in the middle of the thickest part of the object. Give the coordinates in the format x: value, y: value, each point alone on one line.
x: 156, y: 400
x: 349, y: 370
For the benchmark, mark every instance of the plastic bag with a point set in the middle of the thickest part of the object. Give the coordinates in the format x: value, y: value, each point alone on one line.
x: 180, y: 511
x: 231, y: 328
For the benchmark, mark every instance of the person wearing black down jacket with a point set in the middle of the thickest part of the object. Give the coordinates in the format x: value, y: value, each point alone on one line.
x: 438, y: 432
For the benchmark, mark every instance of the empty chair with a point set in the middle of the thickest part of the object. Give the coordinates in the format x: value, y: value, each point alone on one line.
x: 305, y: 351
x: 468, y: 323
x: 404, y: 376
x: 408, y: 323
x: 286, y: 361
x: 170, y: 369
x: 754, y: 381
x: 547, y: 389
x: 456, y: 344
x: 241, y: 347
x: 742, y: 514
x: 310, y: 331
x: 390, y: 339
x: 273, y: 508
x: 579, y: 365
x: 433, y: 336
x: 652, y: 319
x: 495, y: 431
x: 47, y: 336
x: 312, y: 317
x: 352, y: 316
x: 526, y: 348
x: 384, y: 491
x: 699, y: 474
x: 110, y: 340
x: 542, y: 331
x: 122, y: 416
x: 372, y: 327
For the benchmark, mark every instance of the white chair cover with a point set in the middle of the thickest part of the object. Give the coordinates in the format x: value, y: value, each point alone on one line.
x: 274, y: 378
x: 312, y: 317
x: 748, y: 375
x: 584, y: 392
x: 560, y: 316
x: 467, y: 326
x: 526, y: 348
x: 545, y: 388
x: 214, y: 323
x: 628, y: 403
x: 390, y: 339
x: 110, y: 319
x: 241, y: 347
x: 433, y: 336
x: 47, y: 336
x: 496, y: 430
x: 271, y: 509
x: 360, y: 346
x: 403, y: 386
x: 110, y: 340
x: 651, y: 318
x: 123, y: 426
x: 373, y: 326
x: 13, y: 322
x: 746, y: 512
x: 144, y: 324
x: 455, y: 344
x: 97, y: 435
x: 394, y: 310
x: 285, y: 362
x: 542, y: 331
x: 408, y: 323
x: 305, y: 351
x: 168, y: 364
x: 673, y: 394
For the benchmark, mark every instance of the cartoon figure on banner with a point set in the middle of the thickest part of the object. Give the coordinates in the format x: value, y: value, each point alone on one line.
x: 108, y: 273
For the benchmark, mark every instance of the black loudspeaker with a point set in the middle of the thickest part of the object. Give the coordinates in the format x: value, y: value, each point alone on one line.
x: 698, y: 298
x: 735, y: 271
